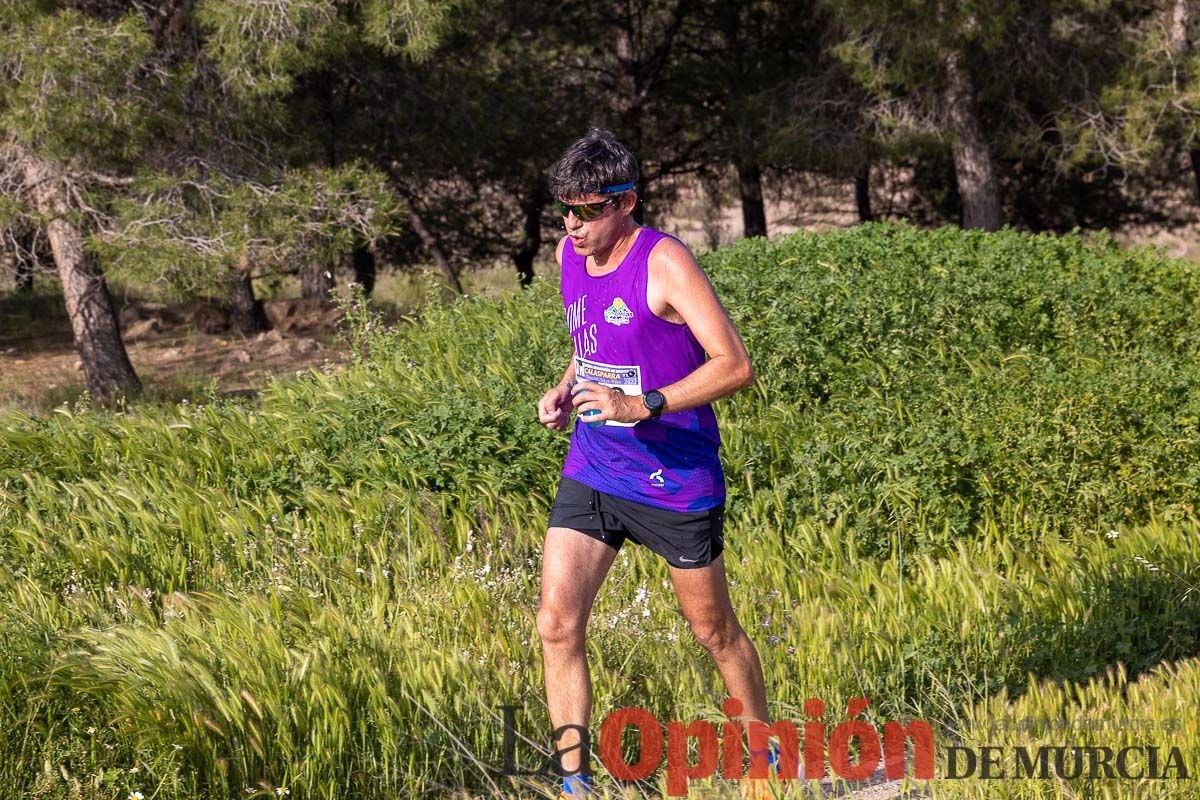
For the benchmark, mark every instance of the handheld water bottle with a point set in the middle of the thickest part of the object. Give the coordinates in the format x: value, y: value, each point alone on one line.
x: 592, y: 412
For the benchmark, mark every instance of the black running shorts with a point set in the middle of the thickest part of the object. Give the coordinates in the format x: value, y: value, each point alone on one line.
x: 686, y: 539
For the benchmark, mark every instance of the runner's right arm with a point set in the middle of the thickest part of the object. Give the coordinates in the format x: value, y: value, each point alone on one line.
x: 554, y: 409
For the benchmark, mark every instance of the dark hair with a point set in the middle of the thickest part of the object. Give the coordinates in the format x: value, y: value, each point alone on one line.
x: 596, y: 161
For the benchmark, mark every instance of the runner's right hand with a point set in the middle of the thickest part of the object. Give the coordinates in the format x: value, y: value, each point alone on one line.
x: 554, y: 409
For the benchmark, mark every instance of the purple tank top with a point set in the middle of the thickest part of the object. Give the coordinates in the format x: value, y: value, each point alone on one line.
x: 670, y: 462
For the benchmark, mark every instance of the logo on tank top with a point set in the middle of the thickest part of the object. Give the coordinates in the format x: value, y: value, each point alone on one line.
x: 618, y: 313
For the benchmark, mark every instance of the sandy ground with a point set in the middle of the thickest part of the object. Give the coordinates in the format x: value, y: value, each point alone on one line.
x: 877, y: 788
x: 820, y: 203
x: 171, y: 352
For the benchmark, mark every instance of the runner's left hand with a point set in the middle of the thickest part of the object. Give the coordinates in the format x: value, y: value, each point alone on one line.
x: 612, y: 403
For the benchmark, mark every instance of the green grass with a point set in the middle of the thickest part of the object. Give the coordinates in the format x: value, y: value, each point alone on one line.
x: 333, y: 589
x: 1110, y: 711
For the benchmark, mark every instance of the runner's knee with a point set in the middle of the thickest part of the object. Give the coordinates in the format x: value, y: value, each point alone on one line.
x: 556, y: 627
x: 715, y: 635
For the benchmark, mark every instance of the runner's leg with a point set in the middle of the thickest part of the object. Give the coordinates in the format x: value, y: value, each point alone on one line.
x: 573, y: 567
x: 704, y: 599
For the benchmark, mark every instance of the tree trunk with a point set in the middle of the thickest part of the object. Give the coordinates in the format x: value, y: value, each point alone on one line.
x: 532, y: 205
x: 629, y: 97
x: 246, y: 313
x: 22, y: 276
x: 1177, y: 37
x: 363, y: 258
x: 1027, y: 201
x: 1080, y: 192
x: 754, y: 214
x: 862, y: 193
x: 24, y: 263
x: 106, y: 365
x: 973, y: 167
x: 1194, y: 160
x: 1181, y: 46
x: 435, y: 250
x: 640, y: 213
x: 316, y: 282
x: 643, y: 52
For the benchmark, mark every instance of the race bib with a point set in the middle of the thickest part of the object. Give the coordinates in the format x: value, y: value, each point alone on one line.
x: 626, y: 378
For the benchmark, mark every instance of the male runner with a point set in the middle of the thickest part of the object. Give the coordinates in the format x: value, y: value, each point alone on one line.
x: 644, y: 467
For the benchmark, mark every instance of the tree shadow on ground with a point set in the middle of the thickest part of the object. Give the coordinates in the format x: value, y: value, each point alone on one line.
x: 33, y: 322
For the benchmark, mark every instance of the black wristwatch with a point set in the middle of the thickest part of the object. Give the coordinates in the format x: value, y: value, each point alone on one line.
x: 654, y: 401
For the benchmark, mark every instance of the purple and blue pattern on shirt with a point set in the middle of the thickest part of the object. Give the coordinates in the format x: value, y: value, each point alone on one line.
x: 670, y: 462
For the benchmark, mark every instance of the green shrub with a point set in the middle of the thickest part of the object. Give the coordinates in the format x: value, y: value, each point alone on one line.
x: 912, y: 384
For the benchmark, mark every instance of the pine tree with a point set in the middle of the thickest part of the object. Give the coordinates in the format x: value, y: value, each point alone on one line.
x: 741, y: 63
x: 992, y: 81
x: 153, y: 140
x: 1145, y: 105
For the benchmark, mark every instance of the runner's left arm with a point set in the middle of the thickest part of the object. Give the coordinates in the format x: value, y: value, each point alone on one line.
x: 677, y: 279
x: 679, y: 286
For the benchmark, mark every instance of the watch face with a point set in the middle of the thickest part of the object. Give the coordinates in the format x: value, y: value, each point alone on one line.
x: 654, y: 401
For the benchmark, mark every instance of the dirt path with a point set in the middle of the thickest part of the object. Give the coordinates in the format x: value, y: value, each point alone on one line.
x: 876, y: 788
x: 170, y: 349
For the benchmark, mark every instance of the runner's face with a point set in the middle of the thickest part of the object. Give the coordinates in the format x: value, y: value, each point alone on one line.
x: 603, y: 232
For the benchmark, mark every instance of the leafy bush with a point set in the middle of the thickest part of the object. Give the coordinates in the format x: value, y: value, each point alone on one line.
x: 923, y: 384
x: 913, y: 384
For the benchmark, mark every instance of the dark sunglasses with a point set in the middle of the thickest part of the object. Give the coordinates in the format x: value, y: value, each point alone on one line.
x: 584, y: 211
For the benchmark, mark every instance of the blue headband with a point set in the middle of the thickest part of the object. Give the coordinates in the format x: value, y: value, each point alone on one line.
x: 624, y: 187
